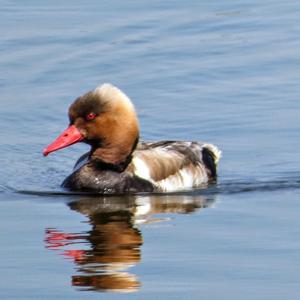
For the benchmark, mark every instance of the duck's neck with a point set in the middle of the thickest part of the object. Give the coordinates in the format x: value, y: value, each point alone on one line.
x: 113, y: 157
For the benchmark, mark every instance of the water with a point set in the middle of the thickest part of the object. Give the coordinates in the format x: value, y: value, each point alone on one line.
x: 226, y: 73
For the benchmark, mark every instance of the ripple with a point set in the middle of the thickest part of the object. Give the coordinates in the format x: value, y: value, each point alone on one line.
x: 224, y: 187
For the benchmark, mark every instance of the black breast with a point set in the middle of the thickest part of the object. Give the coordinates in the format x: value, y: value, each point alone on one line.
x: 90, y: 178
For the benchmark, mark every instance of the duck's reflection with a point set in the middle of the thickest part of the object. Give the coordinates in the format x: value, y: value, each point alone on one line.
x: 104, y: 254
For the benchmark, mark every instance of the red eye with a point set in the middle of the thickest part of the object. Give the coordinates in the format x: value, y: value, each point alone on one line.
x: 90, y: 116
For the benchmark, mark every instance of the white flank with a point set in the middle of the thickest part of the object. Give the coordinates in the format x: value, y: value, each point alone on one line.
x: 141, y: 168
x: 184, y: 179
x: 187, y: 178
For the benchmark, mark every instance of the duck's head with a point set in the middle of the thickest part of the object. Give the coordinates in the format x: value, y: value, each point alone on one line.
x: 104, y: 118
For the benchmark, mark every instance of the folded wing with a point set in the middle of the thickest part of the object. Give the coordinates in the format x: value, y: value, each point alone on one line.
x: 172, y: 166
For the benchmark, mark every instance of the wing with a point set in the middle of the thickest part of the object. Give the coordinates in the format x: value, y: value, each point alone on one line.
x: 82, y: 160
x: 175, y: 165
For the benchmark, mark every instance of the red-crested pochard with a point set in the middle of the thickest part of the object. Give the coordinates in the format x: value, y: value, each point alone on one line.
x: 118, y: 163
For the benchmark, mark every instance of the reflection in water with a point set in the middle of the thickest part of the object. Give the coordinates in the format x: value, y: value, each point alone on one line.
x: 104, y: 254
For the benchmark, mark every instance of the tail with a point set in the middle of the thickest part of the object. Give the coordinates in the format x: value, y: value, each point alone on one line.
x: 211, y: 156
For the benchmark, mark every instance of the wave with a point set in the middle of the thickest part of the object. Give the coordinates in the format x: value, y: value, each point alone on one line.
x: 256, y: 186
x: 219, y: 188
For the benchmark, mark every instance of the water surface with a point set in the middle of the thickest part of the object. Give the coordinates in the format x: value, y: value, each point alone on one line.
x: 225, y: 73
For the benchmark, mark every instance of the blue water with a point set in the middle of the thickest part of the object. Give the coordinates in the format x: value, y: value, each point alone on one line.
x: 225, y: 73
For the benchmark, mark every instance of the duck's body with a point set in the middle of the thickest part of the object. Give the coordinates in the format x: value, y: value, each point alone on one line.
x: 155, y: 167
x: 117, y: 163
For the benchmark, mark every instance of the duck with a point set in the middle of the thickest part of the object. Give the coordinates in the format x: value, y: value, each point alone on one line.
x: 118, y: 162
